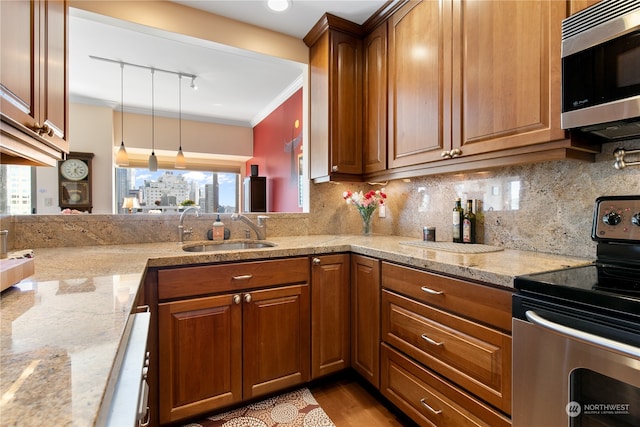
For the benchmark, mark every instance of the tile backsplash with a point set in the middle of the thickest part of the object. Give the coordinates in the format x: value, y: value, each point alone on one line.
x: 544, y: 207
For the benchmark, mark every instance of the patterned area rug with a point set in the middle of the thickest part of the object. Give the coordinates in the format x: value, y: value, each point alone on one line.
x: 297, y: 408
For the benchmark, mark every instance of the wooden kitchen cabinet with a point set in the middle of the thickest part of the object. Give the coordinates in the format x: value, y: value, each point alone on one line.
x: 457, y: 329
x: 419, y: 83
x: 229, y: 333
x: 335, y: 59
x: 578, y: 5
x: 330, y: 314
x: 365, y: 318
x: 375, y: 101
x: 200, y: 344
x: 34, y: 83
x: 475, y: 85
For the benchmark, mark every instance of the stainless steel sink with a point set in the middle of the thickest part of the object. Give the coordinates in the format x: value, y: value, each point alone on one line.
x: 227, y: 245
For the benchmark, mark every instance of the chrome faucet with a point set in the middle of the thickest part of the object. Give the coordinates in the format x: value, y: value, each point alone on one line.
x: 181, y: 230
x: 260, y: 229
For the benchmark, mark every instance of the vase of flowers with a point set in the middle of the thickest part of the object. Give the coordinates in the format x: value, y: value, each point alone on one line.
x: 366, y: 204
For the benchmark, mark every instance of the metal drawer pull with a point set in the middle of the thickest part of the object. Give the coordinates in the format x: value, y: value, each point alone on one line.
x: 236, y: 299
x: 431, y: 341
x: 431, y: 291
x: 243, y: 277
x: 436, y: 412
x: 247, y: 298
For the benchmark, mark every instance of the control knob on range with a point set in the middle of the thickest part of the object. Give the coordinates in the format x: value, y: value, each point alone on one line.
x: 612, y: 218
x: 635, y: 220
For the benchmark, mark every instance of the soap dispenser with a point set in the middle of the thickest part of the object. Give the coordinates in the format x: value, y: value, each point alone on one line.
x: 218, y: 229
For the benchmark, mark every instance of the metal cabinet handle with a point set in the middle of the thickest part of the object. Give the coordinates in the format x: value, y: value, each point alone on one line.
x: 435, y: 411
x: 334, y: 168
x: 445, y: 154
x: 243, y: 277
x: 607, y: 343
x: 456, y: 152
x: 247, y: 298
x: 431, y: 291
x: 316, y: 261
x: 236, y: 299
x: 431, y: 341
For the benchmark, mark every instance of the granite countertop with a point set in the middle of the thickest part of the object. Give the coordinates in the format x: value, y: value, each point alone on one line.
x: 61, y: 328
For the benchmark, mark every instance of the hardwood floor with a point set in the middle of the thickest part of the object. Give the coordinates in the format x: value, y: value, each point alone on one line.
x: 350, y: 403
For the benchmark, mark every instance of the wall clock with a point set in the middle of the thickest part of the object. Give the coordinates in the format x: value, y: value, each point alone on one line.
x: 75, y: 185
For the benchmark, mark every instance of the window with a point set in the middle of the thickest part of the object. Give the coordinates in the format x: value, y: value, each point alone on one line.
x: 170, y: 190
x: 16, y: 195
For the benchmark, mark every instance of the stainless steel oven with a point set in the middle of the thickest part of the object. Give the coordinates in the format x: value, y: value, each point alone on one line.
x: 576, y: 332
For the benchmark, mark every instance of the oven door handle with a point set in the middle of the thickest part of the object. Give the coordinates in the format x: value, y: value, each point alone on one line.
x: 607, y: 343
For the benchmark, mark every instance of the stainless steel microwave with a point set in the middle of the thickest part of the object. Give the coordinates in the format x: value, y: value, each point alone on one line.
x: 601, y: 70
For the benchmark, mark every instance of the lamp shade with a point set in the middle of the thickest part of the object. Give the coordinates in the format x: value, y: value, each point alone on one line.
x: 122, y: 158
x: 130, y: 203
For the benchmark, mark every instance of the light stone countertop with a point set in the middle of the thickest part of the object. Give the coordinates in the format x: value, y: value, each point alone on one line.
x: 61, y: 328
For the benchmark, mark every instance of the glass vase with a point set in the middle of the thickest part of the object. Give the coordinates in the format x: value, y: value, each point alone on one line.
x: 366, y: 222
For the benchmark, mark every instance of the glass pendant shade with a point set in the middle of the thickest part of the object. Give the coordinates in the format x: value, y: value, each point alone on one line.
x: 181, y: 162
x: 122, y: 158
x: 153, y: 162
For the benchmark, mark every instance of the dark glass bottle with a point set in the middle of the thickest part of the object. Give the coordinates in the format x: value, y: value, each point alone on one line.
x: 469, y: 224
x: 457, y: 221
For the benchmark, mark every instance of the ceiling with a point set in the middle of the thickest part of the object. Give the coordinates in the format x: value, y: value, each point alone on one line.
x: 234, y: 86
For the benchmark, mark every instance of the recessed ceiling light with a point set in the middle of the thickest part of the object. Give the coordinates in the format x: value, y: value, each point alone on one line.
x: 278, y: 5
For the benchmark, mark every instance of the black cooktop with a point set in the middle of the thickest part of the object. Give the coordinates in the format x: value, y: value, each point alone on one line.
x: 613, y: 287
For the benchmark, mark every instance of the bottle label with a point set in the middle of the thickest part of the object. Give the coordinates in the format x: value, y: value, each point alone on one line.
x: 456, y: 225
x: 466, y: 231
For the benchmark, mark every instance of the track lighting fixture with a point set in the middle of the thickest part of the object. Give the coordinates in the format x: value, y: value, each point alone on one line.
x: 193, y: 83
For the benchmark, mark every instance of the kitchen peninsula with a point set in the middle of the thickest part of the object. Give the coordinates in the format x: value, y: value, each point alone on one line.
x: 62, y: 327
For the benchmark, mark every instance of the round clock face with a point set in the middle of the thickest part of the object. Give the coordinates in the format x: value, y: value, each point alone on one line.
x: 74, y: 169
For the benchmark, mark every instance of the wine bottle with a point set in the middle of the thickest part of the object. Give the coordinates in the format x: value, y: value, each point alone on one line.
x: 457, y: 221
x: 469, y: 224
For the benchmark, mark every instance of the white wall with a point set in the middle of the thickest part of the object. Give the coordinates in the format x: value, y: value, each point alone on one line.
x: 90, y: 131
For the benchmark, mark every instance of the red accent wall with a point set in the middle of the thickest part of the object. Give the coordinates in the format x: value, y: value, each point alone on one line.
x: 276, y: 147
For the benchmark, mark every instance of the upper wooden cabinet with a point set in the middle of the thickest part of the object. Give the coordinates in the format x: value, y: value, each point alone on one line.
x: 419, y: 83
x: 375, y: 101
x: 336, y: 99
x: 578, y: 5
x: 475, y: 85
x: 33, y: 86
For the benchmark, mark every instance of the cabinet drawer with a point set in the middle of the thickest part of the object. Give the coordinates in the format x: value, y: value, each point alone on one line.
x: 473, y: 356
x: 430, y: 400
x: 479, y: 302
x: 209, y: 279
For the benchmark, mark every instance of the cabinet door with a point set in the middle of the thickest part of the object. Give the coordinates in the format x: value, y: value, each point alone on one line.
x: 506, y: 62
x: 346, y: 103
x: 19, y: 76
x: 275, y: 339
x: 419, y: 83
x: 375, y: 100
x: 330, y: 305
x: 365, y: 317
x: 53, y: 81
x: 200, y: 350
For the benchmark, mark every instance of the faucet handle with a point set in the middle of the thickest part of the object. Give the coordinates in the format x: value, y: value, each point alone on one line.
x: 262, y: 219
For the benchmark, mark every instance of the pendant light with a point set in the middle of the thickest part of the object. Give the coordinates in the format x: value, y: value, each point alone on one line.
x: 122, y: 159
x: 153, y: 161
x: 181, y: 162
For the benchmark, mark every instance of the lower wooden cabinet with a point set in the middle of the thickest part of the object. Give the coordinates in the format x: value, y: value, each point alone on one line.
x: 217, y: 350
x: 200, y: 361
x: 365, y: 317
x: 428, y: 398
x: 330, y: 319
